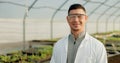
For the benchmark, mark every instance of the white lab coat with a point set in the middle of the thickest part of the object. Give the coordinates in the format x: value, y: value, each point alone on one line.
x: 89, y: 51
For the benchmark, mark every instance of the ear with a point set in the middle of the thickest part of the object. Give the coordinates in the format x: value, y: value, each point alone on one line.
x: 67, y: 18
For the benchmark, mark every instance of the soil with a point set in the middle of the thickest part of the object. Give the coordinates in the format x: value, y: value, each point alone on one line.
x: 114, y: 59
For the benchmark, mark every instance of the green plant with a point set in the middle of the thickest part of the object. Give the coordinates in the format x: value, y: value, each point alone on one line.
x: 40, y: 53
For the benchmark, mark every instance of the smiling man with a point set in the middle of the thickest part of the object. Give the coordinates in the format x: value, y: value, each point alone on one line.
x: 78, y: 46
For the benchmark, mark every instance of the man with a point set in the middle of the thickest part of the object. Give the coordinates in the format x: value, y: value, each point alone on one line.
x: 78, y: 46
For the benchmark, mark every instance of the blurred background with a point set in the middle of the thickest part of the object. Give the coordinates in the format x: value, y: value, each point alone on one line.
x: 26, y: 21
x: 103, y: 17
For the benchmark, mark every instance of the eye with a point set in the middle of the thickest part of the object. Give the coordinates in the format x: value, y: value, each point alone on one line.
x: 72, y: 16
x: 81, y: 15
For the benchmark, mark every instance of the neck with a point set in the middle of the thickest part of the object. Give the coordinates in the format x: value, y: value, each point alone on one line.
x: 76, y: 33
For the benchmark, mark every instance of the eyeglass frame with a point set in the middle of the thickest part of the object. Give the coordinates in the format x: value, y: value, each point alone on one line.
x: 76, y: 15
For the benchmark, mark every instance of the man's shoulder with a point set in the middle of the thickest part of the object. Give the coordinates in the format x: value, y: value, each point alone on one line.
x: 94, y: 40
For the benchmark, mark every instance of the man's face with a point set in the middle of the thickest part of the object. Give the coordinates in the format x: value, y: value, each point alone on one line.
x: 77, y: 19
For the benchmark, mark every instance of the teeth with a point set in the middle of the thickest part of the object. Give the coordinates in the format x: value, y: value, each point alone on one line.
x: 75, y: 24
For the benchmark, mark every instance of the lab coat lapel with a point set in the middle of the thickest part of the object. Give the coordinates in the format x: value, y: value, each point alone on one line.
x: 80, y: 53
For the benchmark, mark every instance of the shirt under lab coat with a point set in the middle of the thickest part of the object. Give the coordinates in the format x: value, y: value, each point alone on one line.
x: 89, y: 51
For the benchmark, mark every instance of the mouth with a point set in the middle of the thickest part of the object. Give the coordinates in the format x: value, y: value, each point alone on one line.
x: 76, y: 25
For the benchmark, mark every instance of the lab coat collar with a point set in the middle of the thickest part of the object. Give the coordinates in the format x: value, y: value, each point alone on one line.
x: 65, y: 47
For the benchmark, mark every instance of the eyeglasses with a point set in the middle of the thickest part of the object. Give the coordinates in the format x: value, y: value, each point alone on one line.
x: 76, y: 15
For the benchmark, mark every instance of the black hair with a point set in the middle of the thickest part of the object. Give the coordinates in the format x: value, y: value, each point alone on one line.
x: 76, y: 6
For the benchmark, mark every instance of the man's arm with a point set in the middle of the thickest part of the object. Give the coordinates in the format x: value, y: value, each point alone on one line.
x: 101, y: 55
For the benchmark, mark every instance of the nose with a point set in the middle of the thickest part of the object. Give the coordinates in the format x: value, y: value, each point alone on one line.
x: 76, y: 18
